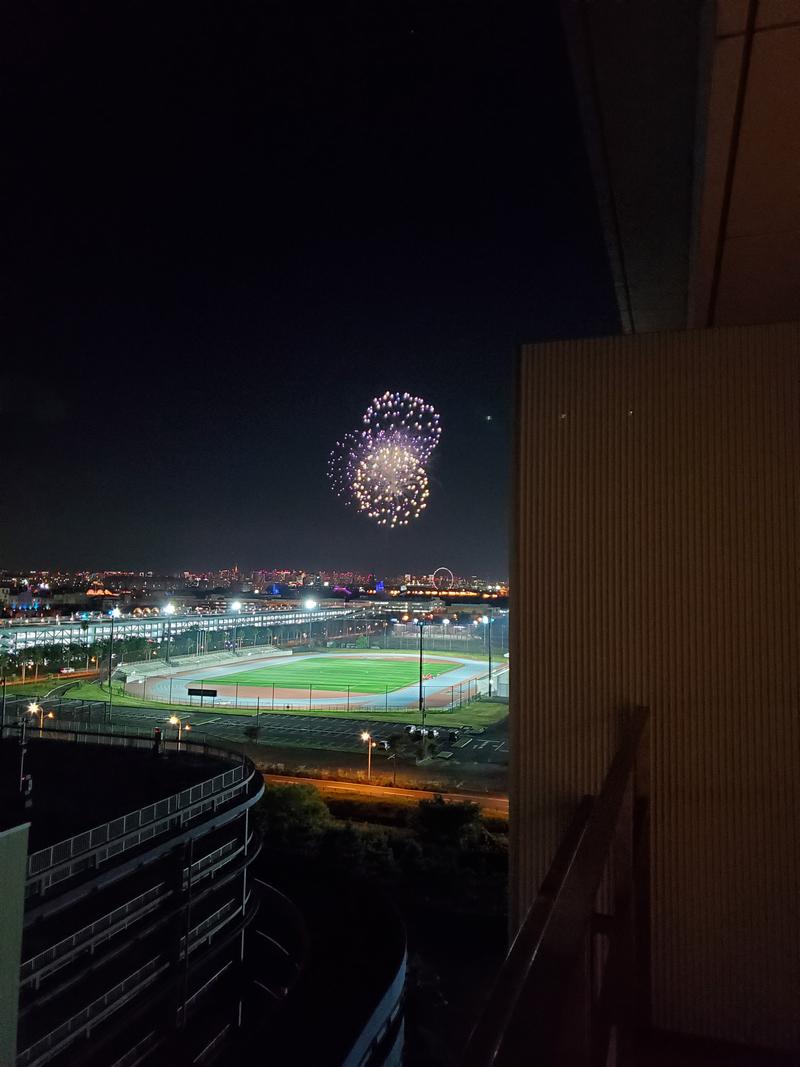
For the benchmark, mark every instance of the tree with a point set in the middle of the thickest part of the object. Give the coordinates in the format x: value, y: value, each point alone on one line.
x: 292, y: 817
x: 37, y: 657
x: 449, y: 823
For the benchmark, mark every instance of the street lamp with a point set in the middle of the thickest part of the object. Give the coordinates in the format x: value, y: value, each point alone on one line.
x: 175, y: 721
x: 487, y: 621
x: 370, y: 745
x: 115, y: 614
x: 421, y: 624
x: 37, y: 709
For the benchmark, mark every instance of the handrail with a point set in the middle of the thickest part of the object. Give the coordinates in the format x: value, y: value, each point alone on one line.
x: 524, y: 1017
x: 60, y: 949
x: 69, y: 848
x: 144, y: 976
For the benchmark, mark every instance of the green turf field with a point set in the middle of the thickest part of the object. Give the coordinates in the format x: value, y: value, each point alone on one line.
x: 368, y: 675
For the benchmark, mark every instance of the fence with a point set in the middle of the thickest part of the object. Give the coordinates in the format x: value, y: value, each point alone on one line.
x: 441, y: 698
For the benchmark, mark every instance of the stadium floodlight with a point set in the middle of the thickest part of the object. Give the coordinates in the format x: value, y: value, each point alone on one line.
x: 169, y: 609
x: 445, y: 622
x: 115, y: 613
x: 236, y: 605
x: 310, y: 605
x: 484, y: 619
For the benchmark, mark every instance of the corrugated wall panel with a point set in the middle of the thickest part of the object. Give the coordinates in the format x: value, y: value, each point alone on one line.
x: 656, y: 548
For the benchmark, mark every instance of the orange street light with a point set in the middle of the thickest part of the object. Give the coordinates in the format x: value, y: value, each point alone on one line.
x: 370, y: 745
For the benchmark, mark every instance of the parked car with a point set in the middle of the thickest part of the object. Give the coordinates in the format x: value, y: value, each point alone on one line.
x: 67, y: 670
x: 382, y: 744
x: 411, y: 729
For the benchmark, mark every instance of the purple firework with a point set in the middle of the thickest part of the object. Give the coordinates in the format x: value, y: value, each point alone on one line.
x: 381, y: 469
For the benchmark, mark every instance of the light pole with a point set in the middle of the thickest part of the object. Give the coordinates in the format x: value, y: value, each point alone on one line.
x: 175, y: 721
x: 445, y: 624
x: 35, y: 708
x: 487, y: 621
x: 169, y: 609
x: 370, y: 745
x: 236, y: 607
x: 421, y: 624
x: 310, y: 605
x: 115, y: 614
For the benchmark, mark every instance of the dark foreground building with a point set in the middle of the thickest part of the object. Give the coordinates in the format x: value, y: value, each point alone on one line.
x: 134, y: 927
x: 137, y: 899
x: 657, y: 606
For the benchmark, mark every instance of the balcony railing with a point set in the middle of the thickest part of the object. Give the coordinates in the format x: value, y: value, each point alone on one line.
x: 93, y: 1013
x: 573, y: 989
x: 114, y: 921
x: 142, y: 823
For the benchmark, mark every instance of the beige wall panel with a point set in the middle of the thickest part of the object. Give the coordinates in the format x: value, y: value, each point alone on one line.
x: 656, y: 562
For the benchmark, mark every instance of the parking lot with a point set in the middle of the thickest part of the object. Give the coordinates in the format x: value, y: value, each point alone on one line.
x: 484, y: 745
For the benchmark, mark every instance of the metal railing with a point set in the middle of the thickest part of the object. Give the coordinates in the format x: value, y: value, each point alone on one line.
x: 574, y: 987
x: 199, y: 867
x: 114, y: 920
x: 150, y: 816
x: 213, y: 922
x: 94, y: 1012
x: 120, y: 918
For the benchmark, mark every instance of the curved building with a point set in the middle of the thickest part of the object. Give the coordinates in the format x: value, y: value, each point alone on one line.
x: 137, y: 897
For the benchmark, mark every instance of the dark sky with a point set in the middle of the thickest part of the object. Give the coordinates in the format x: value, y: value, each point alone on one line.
x: 228, y: 225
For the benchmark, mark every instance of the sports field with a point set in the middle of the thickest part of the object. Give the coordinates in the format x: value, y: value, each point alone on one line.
x: 368, y: 674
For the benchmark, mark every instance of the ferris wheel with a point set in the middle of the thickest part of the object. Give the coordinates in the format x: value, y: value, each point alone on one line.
x: 443, y: 579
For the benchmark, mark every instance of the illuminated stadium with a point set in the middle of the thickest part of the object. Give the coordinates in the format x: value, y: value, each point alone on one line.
x: 316, y: 681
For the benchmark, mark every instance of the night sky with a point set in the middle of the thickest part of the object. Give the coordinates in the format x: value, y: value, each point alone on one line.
x: 228, y: 226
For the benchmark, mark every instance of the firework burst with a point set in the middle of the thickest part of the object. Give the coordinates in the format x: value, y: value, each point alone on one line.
x: 380, y: 470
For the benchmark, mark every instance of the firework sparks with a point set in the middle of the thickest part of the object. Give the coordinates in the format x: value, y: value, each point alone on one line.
x: 381, y: 469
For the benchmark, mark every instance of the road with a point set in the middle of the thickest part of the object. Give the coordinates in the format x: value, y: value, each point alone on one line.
x: 496, y: 804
